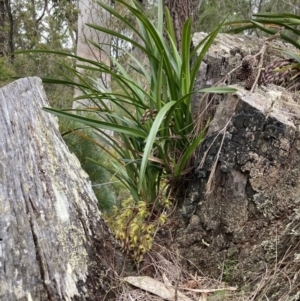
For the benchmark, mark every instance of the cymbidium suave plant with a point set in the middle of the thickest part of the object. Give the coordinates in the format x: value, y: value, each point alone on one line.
x: 149, y: 114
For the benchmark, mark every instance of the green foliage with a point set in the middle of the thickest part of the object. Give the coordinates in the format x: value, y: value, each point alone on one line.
x: 40, y: 21
x: 229, y: 267
x: 212, y: 11
x: 6, y: 71
x: 149, y: 113
x: 81, y: 142
x: 39, y: 65
x: 38, y: 24
x: 286, y: 24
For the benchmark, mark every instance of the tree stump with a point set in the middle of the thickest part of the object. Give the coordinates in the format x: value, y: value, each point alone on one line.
x: 241, y: 219
x: 54, y: 243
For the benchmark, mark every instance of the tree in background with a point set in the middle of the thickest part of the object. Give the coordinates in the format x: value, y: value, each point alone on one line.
x: 2, y: 24
x: 37, y: 24
x: 90, y: 12
x: 28, y: 24
x: 180, y: 11
x: 7, y: 26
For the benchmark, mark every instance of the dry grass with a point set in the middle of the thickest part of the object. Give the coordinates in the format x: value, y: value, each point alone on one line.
x: 167, y: 266
x: 198, y: 287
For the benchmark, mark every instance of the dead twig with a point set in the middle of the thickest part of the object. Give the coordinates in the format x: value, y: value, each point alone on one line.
x: 261, y: 54
x: 210, y: 290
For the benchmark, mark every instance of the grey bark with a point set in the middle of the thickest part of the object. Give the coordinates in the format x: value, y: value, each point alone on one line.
x: 180, y: 11
x: 91, y: 13
x: 2, y: 26
x: 241, y: 216
x: 6, y: 32
x: 54, y: 243
x: 11, y: 47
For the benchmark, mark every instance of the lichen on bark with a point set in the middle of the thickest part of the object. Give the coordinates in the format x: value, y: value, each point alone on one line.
x: 54, y: 242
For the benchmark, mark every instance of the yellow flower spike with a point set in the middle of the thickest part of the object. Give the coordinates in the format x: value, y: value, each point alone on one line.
x: 150, y: 229
x: 134, y: 228
x: 122, y: 216
x: 143, y: 226
x: 134, y: 239
x: 143, y: 213
x: 167, y: 203
x: 142, y: 205
x: 147, y: 241
x: 162, y: 219
x: 148, y: 237
x: 142, y: 249
x: 128, y: 201
x: 120, y: 235
x: 119, y: 222
x: 127, y: 213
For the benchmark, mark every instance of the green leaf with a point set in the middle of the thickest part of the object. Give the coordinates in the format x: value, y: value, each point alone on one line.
x: 187, y: 154
x: 265, y: 21
x: 208, y: 42
x: 293, y: 55
x: 159, y: 84
x: 99, y: 124
x: 186, y: 60
x: 170, y: 27
x: 120, y: 36
x: 277, y: 15
x: 151, y: 138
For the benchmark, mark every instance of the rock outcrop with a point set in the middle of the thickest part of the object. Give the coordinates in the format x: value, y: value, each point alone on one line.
x: 241, y: 218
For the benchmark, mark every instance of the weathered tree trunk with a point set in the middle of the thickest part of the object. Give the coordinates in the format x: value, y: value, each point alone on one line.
x: 240, y: 220
x: 54, y: 244
x: 180, y: 11
x: 90, y: 12
x: 10, y: 36
x: 6, y: 29
x: 2, y: 26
